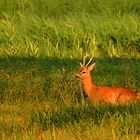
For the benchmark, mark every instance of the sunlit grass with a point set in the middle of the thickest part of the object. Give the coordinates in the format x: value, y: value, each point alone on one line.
x: 101, y: 34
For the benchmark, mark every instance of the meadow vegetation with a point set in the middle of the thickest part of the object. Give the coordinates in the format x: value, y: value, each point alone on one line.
x: 41, y: 45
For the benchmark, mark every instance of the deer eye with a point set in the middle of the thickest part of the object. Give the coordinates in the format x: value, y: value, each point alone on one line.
x: 83, y: 72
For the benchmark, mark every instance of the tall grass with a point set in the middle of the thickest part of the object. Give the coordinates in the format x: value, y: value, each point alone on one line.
x: 41, y: 45
x: 69, y: 28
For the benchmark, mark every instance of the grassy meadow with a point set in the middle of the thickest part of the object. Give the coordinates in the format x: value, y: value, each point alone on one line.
x: 41, y: 45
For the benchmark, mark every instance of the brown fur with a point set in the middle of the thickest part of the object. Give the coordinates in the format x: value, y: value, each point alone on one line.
x: 99, y: 94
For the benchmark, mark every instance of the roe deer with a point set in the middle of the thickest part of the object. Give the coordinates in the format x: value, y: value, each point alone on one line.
x: 99, y: 94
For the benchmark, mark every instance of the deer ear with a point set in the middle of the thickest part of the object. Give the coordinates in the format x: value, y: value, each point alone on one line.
x: 91, y: 67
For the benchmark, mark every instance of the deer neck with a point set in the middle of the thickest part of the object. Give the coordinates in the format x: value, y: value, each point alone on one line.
x: 88, y: 84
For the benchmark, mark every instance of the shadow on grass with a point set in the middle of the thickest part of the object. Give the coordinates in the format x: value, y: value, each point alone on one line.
x: 46, y: 79
x: 17, y: 63
x: 48, y: 64
x: 31, y: 77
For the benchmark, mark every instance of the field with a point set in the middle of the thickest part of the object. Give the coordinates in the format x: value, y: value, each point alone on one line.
x: 41, y: 45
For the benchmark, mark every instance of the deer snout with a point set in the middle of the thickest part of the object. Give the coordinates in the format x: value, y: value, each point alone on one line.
x: 78, y: 76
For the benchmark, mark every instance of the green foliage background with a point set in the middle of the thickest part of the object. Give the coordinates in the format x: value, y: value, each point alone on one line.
x: 69, y: 28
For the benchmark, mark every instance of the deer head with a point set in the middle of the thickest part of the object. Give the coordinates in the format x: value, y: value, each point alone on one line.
x: 84, y: 68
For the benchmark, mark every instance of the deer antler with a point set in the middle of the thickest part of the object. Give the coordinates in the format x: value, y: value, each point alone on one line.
x: 89, y: 61
x: 84, y: 59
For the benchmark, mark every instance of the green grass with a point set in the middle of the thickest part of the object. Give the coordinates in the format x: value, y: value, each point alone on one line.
x: 41, y: 45
x: 42, y: 97
x: 69, y: 28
